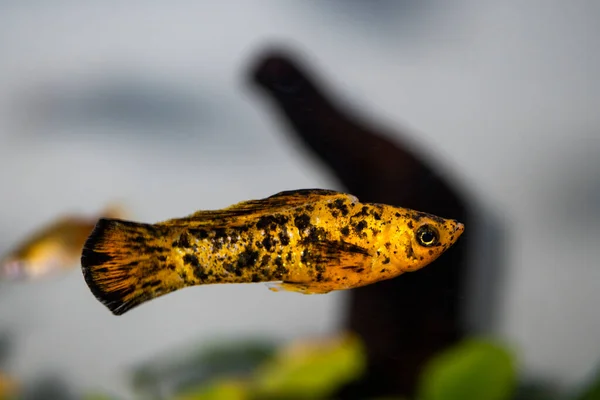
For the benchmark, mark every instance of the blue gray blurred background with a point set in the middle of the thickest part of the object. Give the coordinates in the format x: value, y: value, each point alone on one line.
x: 145, y: 102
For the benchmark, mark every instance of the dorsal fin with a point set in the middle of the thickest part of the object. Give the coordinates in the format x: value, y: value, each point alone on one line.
x: 254, y: 208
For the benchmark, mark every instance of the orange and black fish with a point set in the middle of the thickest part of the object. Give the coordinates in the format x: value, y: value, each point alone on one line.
x: 310, y: 241
x: 52, y: 249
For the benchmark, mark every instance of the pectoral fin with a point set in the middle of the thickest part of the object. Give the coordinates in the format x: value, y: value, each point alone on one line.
x: 337, y: 254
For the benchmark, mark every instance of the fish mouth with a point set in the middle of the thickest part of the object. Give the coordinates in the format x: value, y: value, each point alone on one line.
x: 459, y: 228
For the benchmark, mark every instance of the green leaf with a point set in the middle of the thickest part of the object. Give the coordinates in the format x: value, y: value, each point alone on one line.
x: 221, y: 389
x: 310, y: 369
x: 475, y: 369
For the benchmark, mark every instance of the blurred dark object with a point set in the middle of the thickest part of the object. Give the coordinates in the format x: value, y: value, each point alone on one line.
x: 180, y: 370
x: 589, y: 390
x: 536, y: 391
x: 402, y: 321
x: 48, y: 387
x: 116, y: 101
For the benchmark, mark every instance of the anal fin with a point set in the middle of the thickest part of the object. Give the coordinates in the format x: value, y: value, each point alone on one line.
x: 304, y: 288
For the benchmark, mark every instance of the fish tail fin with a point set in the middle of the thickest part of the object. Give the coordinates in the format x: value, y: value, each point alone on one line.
x: 126, y: 264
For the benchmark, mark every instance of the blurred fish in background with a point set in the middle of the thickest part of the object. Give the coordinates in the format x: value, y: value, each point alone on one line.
x: 54, y: 248
x: 9, y: 386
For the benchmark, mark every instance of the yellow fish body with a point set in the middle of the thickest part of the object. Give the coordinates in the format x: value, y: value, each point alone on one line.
x: 312, y: 241
x: 9, y: 387
x: 52, y: 248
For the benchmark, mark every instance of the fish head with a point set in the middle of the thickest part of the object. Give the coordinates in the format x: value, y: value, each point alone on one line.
x: 420, y: 238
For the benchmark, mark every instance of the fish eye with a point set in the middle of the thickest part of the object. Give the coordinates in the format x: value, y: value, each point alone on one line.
x: 427, y: 236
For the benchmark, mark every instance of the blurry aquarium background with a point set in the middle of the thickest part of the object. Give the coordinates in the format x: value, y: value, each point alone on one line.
x: 152, y: 104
